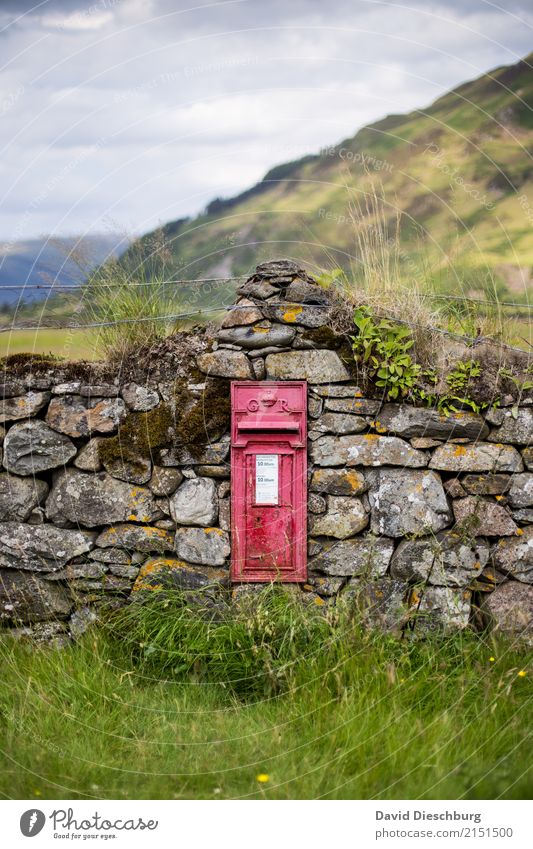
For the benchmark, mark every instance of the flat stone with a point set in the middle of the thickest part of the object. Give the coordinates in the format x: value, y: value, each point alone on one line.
x: 74, y: 571
x: 33, y: 447
x: 514, y: 557
x: 343, y: 518
x: 381, y: 603
x: 258, y: 336
x: 81, y: 620
x: 482, y: 457
x: 110, y: 555
x: 355, y: 405
x: 406, y: 502
x: 11, y: 388
x: 485, y: 518
x: 139, y: 398
x: 174, y: 574
x: 137, y: 471
x: 195, y: 503
x: 440, y: 609
x: 486, y: 484
x: 301, y: 292
x: 443, y: 560
x: 300, y: 314
x: 224, y: 363
x: 78, y: 416
x: 407, y: 421
x: 324, y: 585
x: 367, y: 450
x: 27, y: 598
x: 527, y: 454
x: 88, y: 459
x: 517, y: 429
x: 71, y: 387
x: 136, y: 538
x: 315, y: 366
x: 260, y: 290
x: 454, y: 488
x: 525, y: 515
x: 100, y: 499
x: 165, y: 481
x: 213, y: 471
x: 337, y: 390
x: 367, y: 556
x: 19, y: 496
x: 40, y: 548
x: 423, y: 442
x: 341, y: 423
x: 23, y: 406
x: 205, y: 546
x: 521, y: 490
x: 262, y: 352
x: 99, y: 390
x: 242, y: 313
x: 314, y: 406
x: 509, y: 610
x: 338, y: 482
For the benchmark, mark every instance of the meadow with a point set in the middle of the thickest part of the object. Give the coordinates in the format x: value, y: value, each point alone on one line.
x: 282, y: 703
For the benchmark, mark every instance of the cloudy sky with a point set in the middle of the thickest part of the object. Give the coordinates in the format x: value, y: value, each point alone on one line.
x: 122, y: 114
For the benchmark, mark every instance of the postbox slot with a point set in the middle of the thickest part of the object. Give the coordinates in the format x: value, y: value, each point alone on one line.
x: 260, y: 428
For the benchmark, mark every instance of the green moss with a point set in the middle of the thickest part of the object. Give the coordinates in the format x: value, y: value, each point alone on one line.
x: 323, y: 337
x: 203, y: 419
x: 141, y: 435
x: 17, y: 361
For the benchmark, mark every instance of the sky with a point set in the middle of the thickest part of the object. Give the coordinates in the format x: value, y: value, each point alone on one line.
x: 120, y: 115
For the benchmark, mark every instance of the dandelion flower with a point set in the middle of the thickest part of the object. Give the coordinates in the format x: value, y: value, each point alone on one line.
x: 522, y: 673
x: 262, y: 778
x: 492, y: 659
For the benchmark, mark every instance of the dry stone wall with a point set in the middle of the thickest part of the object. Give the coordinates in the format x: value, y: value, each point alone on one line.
x: 115, y: 488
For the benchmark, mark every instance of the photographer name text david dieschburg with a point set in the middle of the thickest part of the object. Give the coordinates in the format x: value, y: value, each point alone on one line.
x: 65, y: 820
x: 428, y: 815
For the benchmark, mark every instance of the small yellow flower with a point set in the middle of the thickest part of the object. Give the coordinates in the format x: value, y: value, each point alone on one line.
x: 492, y: 659
x: 262, y: 778
x: 522, y: 673
x: 319, y: 601
x: 38, y: 792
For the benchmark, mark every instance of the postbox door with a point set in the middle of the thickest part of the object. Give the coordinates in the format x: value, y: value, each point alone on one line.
x: 270, y: 511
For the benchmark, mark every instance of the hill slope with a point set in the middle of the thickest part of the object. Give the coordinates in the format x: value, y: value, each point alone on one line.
x: 459, y: 174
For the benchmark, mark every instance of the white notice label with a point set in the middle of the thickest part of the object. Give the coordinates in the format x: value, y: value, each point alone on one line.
x: 266, y: 478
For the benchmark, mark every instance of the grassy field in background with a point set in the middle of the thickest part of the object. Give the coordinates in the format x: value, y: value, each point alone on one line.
x: 365, y: 716
x: 69, y: 344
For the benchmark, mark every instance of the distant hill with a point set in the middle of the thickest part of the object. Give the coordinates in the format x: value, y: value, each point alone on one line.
x: 26, y: 264
x: 460, y: 172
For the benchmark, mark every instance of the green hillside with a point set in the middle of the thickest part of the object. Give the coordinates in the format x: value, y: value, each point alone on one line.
x: 457, y: 175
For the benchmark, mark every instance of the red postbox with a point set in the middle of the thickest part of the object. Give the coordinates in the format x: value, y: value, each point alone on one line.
x: 269, y: 481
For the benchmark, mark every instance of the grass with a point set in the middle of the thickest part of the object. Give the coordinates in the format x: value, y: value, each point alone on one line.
x: 70, y: 344
x: 346, y: 713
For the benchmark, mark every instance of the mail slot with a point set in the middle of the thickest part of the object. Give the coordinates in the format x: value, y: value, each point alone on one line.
x: 269, y: 481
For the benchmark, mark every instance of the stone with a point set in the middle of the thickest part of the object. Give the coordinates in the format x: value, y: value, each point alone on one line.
x: 88, y: 458
x: 27, y: 598
x: 171, y: 573
x: 262, y: 352
x: 213, y: 471
x: 75, y: 571
x: 524, y: 515
x: 165, y: 481
x: 23, y: 406
x: 443, y: 560
x: 300, y: 314
x: 516, y: 428
x: 509, y: 610
x: 33, y: 447
x: 10, y: 388
x: 527, y: 454
x: 440, y: 609
x: 81, y: 620
x: 367, y: 556
x: 40, y: 548
x: 137, y: 471
x: 242, y: 313
x: 121, y: 571
x: 224, y: 363
x: 338, y: 482
x: 483, y: 517
x: 337, y: 390
x: 110, y: 555
x: 301, y: 292
x: 454, y: 488
x: 78, y: 416
x: 315, y: 366
x: 486, y: 484
x: 481, y: 457
x: 100, y: 499
x: 355, y: 405
x: 71, y: 387
x: 340, y: 423
x: 259, y: 369
x: 206, y: 546
x: 139, y: 398
x: 258, y: 336
x: 514, y: 557
x: 324, y: 585
x: 407, y: 421
x: 214, y: 453
x: 99, y: 390
x: 195, y: 503
x: 260, y: 290
x: 314, y: 406
x: 406, y: 502
x: 19, y: 496
x: 343, y: 518
x: 521, y: 490
x: 316, y: 504
x: 367, y: 450
x: 224, y: 514
x: 381, y: 603
x: 136, y: 538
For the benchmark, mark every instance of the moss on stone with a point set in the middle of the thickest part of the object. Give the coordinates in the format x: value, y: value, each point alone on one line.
x: 141, y: 435
x: 205, y: 419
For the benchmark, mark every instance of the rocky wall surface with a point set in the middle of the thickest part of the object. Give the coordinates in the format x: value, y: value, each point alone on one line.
x: 115, y: 488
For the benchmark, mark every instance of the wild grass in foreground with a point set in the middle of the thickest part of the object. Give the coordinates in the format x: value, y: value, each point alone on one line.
x: 275, y: 703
